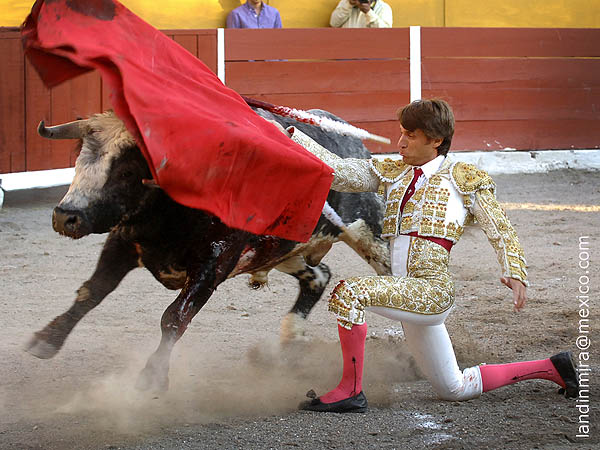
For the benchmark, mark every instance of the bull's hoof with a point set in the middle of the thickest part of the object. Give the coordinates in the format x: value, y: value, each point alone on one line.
x: 40, y: 348
x: 255, y: 285
x: 292, y: 328
x: 150, y: 381
x: 258, y: 279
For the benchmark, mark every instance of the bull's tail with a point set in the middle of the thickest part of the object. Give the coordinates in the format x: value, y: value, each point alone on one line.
x: 361, y: 239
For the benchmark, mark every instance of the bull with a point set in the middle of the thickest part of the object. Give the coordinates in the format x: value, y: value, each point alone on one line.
x: 188, y: 249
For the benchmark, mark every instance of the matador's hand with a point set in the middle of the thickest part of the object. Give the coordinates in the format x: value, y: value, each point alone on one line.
x: 519, y: 291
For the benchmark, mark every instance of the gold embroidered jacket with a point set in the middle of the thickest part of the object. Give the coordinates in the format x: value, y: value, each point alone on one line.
x: 451, y: 198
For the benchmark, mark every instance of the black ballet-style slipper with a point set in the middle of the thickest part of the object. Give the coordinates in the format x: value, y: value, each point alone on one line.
x: 356, y: 404
x: 564, y: 364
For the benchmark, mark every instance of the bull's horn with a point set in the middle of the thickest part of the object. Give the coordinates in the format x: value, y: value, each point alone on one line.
x: 71, y: 130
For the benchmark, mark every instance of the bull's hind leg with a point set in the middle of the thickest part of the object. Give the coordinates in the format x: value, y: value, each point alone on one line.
x: 214, y: 264
x: 312, y: 284
x: 116, y: 260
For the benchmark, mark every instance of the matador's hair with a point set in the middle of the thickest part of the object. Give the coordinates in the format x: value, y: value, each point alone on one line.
x: 434, y: 117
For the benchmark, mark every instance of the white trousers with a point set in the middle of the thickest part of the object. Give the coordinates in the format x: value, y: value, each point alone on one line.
x: 429, y: 343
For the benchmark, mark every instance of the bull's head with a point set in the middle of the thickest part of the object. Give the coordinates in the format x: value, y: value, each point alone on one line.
x: 108, y: 175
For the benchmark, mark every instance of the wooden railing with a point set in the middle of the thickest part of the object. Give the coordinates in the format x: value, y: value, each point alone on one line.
x: 523, y: 89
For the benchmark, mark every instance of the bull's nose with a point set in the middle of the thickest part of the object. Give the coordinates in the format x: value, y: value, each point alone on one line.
x: 68, y: 223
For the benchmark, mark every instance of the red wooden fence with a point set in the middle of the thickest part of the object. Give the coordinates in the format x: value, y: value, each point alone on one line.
x: 24, y: 101
x: 510, y: 88
x: 516, y: 88
x: 359, y: 75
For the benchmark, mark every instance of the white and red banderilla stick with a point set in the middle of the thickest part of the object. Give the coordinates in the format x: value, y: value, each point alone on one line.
x: 325, y: 123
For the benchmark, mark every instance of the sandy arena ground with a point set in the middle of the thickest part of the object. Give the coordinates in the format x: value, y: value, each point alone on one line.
x: 233, y: 386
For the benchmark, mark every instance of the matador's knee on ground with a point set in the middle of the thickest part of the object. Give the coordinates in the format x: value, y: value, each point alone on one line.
x: 468, y: 388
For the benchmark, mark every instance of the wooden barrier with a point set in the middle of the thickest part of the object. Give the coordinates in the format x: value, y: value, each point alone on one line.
x: 516, y: 88
x: 356, y: 74
x: 12, y: 104
x: 25, y: 101
x: 524, y: 89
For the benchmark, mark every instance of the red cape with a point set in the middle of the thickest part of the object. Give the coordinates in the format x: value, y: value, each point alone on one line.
x: 205, y: 147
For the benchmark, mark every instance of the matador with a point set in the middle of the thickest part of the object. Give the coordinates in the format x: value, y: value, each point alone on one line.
x: 429, y: 201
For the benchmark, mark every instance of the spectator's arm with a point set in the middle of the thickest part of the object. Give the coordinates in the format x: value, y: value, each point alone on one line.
x: 383, y: 19
x: 340, y: 14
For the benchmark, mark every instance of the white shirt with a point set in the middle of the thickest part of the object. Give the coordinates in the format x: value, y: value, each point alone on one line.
x: 399, y: 245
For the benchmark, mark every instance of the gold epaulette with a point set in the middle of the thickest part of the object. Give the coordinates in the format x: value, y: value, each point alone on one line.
x: 468, y: 179
x: 388, y: 170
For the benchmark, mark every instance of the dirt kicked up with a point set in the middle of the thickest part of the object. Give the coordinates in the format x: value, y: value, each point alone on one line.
x: 234, y: 386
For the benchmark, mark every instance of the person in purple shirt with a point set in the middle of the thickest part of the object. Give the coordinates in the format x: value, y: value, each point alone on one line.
x: 254, y: 14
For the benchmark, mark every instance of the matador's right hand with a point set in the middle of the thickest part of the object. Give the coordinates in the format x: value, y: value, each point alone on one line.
x: 519, y: 291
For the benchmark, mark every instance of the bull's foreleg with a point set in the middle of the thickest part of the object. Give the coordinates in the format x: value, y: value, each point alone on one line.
x: 202, y: 280
x: 118, y: 257
x: 312, y: 284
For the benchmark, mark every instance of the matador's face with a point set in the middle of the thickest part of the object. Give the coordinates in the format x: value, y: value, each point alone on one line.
x: 416, y: 148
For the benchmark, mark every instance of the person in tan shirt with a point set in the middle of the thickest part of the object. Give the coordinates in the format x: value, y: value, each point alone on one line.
x: 362, y: 14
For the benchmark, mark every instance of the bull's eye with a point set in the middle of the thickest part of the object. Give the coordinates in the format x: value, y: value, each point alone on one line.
x: 127, y: 174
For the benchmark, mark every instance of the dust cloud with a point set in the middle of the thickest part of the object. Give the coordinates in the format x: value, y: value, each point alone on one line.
x: 206, y: 387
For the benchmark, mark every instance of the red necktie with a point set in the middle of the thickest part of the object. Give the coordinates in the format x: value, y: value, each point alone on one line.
x: 411, y: 187
x: 447, y: 244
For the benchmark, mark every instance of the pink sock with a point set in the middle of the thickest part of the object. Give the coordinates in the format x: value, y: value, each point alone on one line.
x: 353, y: 355
x: 494, y: 376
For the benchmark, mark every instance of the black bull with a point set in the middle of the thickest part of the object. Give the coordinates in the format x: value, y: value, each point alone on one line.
x: 186, y: 248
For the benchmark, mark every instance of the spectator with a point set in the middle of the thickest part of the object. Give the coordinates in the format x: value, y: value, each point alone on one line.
x: 254, y: 14
x: 362, y: 14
